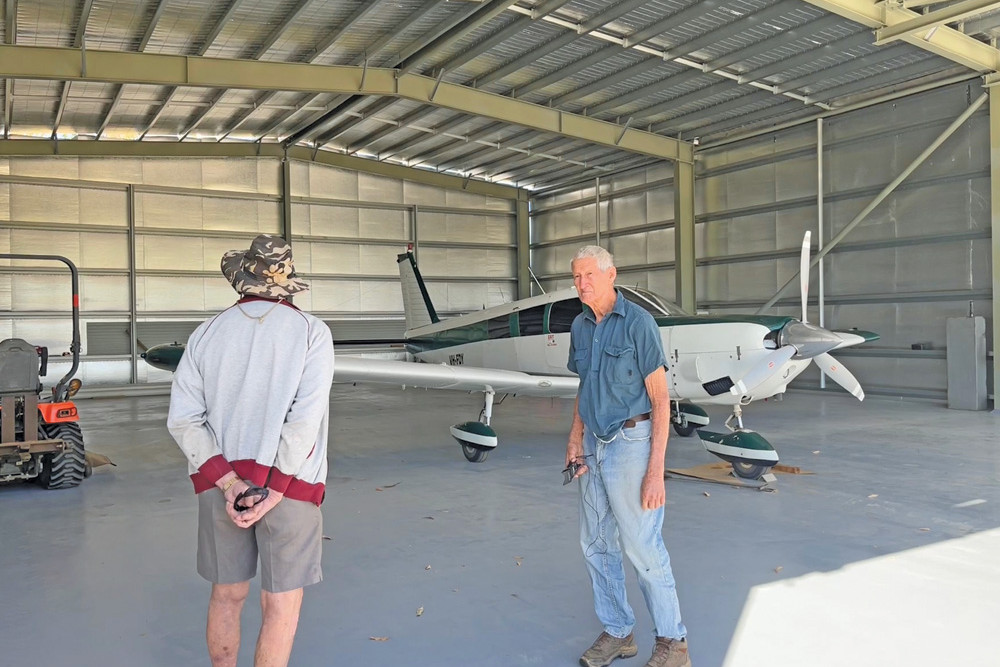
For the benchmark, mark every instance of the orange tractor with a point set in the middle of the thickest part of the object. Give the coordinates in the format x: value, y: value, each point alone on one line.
x: 40, y: 438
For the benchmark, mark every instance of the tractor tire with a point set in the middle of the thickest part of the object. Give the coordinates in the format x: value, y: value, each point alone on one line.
x: 67, y: 468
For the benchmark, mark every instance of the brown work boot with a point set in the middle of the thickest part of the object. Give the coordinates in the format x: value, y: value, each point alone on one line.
x: 669, y: 653
x: 607, y: 649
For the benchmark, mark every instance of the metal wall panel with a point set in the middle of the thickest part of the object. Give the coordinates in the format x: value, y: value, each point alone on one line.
x: 112, y: 170
x: 465, y: 262
x: 326, y: 182
x: 626, y: 211
x: 424, y: 195
x: 379, y: 188
x: 326, y: 220
x: 466, y: 228
x: 188, y: 212
x: 897, y: 273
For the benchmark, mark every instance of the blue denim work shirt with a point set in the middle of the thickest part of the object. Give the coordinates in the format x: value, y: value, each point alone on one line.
x: 613, y: 358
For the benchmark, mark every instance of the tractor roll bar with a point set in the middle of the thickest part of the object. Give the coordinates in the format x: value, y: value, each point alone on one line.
x: 61, y: 391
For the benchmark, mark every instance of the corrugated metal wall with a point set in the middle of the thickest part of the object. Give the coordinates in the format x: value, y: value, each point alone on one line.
x: 920, y: 257
x: 160, y: 226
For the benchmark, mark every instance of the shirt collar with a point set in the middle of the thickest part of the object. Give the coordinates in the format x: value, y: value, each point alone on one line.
x: 618, y: 308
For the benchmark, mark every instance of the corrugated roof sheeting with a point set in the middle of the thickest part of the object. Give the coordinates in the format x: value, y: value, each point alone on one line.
x: 547, y: 55
x: 811, y: 43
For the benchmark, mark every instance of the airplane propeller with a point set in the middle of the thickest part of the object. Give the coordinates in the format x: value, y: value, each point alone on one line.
x: 800, y: 340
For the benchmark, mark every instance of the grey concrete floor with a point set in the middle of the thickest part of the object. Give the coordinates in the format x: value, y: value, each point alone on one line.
x: 886, y: 555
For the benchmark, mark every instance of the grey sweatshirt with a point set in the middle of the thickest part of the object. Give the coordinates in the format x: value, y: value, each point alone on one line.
x: 253, y: 395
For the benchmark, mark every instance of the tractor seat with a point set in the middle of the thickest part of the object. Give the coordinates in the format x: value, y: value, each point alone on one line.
x: 18, y: 367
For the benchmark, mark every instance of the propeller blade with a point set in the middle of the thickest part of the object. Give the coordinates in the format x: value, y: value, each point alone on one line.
x: 804, y: 272
x: 762, y: 371
x: 836, y: 371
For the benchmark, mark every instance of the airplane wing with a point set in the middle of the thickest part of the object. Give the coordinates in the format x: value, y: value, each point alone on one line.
x: 441, y: 376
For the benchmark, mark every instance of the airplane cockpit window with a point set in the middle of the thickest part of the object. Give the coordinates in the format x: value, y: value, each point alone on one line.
x: 651, y: 301
x: 530, y: 321
x: 498, y: 327
x: 562, y: 314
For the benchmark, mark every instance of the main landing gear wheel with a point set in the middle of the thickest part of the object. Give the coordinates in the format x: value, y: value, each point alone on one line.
x: 474, y: 454
x: 65, y: 469
x: 750, y: 470
x: 683, y: 431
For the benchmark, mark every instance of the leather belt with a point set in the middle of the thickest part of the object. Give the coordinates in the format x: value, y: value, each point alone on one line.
x: 630, y: 423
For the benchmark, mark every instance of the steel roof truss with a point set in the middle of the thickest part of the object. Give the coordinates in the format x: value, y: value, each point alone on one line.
x: 939, y: 40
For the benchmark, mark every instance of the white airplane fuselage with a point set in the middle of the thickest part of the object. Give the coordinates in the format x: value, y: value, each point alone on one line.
x: 696, y: 353
x: 698, y: 350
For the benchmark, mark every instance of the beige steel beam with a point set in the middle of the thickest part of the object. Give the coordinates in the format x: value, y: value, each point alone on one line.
x: 24, y: 147
x: 523, y: 222
x: 936, y: 18
x: 994, y: 94
x: 684, y: 264
x: 63, y: 64
x: 940, y: 40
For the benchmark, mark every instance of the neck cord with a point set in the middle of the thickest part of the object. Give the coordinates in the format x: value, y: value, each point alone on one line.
x: 260, y: 320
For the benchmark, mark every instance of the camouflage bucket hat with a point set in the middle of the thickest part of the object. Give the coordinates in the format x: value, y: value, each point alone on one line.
x: 265, y: 269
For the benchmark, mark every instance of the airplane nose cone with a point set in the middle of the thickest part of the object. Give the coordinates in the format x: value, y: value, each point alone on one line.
x: 810, y: 340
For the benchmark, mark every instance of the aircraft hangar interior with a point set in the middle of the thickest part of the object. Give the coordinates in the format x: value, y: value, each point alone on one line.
x: 779, y: 183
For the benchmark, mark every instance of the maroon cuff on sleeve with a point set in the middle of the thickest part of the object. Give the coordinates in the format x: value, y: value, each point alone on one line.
x: 279, y: 481
x: 215, y: 468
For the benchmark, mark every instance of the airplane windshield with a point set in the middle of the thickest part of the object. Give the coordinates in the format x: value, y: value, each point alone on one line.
x: 651, y: 301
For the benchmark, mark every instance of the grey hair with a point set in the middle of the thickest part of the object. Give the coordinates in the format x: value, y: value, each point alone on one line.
x: 605, y: 260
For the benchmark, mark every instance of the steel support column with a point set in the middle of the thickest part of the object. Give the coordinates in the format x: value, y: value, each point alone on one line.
x: 684, y: 268
x: 286, y: 199
x: 132, y: 307
x: 522, y: 222
x: 994, y: 94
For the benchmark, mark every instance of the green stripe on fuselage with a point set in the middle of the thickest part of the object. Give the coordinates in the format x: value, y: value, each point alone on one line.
x: 772, y: 322
x: 479, y: 331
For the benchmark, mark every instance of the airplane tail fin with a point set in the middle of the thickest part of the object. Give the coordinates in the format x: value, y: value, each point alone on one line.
x: 416, y: 301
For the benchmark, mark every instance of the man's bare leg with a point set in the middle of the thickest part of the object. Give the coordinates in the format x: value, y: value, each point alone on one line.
x: 277, y: 632
x: 223, y: 631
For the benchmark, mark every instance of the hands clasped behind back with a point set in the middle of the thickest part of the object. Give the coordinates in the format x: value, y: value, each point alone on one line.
x: 256, y: 506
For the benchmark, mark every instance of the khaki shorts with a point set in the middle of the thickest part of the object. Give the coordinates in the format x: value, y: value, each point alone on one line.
x: 288, y: 540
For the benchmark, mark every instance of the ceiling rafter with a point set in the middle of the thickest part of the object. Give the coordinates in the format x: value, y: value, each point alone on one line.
x: 172, y: 70
x: 518, y: 25
x: 940, y: 40
x: 809, y: 56
x: 948, y: 14
x: 360, y: 13
x: 143, y: 42
x: 79, y: 41
x: 286, y: 22
x: 202, y: 50
x: 847, y: 67
x: 896, y: 75
x: 542, y: 11
x: 802, y: 31
x: 426, y: 47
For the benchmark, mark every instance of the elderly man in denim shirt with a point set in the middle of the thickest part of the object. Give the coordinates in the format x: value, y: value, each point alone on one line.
x: 619, y: 440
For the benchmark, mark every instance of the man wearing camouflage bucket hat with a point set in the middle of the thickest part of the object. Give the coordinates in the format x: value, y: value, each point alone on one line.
x: 250, y: 407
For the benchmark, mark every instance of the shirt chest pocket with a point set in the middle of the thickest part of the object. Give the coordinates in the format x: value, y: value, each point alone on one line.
x: 620, y: 365
x: 581, y: 359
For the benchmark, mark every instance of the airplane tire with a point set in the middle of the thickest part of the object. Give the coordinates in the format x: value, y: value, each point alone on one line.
x: 67, y: 468
x: 750, y: 470
x: 684, y: 431
x: 474, y: 454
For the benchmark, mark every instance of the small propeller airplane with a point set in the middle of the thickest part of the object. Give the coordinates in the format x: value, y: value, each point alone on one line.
x: 522, y: 347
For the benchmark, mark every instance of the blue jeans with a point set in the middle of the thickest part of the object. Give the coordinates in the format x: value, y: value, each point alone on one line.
x: 612, y: 518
